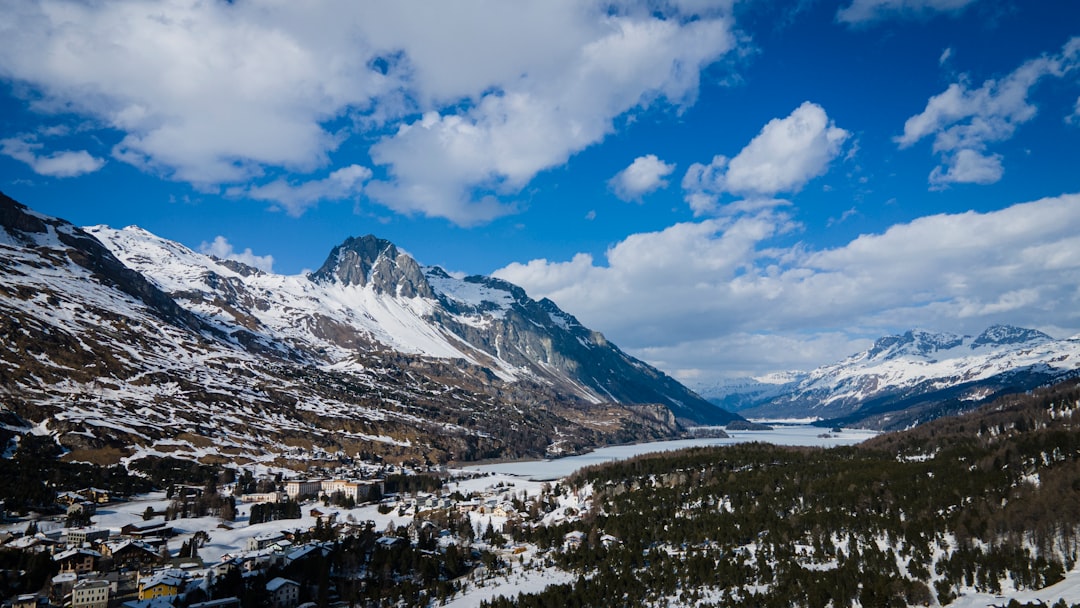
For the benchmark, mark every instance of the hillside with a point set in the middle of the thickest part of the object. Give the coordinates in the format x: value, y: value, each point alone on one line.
x: 123, y: 346
x: 984, y: 503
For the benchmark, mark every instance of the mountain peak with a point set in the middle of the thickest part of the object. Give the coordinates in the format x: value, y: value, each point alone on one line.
x: 1009, y: 334
x: 378, y: 263
x: 915, y: 341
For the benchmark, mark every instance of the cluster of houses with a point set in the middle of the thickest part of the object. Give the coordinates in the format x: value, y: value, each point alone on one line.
x: 133, y: 568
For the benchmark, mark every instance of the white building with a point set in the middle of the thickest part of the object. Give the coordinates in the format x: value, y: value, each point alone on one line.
x: 284, y: 593
x: 90, y: 594
x: 299, y: 487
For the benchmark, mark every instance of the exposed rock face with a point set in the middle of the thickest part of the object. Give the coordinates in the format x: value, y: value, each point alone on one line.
x: 123, y: 344
x: 376, y: 262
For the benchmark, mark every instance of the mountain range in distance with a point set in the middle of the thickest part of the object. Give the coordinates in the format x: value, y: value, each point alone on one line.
x: 907, y: 379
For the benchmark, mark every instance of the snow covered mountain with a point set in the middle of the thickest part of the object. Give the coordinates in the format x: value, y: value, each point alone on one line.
x: 906, y: 379
x: 124, y: 345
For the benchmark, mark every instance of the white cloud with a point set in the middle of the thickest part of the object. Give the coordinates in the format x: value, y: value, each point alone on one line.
x: 67, y: 163
x: 646, y: 174
x: 219, y: 93
x: 865, y: 11
x: 715, y: 282
x: 453, y: 163
x: 783, y: 157
x: 968, y: 167
x: 347, y: 182
x: 221, y: 248
x: 945, y: 56
x: 964, y: 121
x: 1074, y: 118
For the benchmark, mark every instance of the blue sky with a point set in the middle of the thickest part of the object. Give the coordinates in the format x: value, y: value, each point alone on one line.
x: 722, y: 188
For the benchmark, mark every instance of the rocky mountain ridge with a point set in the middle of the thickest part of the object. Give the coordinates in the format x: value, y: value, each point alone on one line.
x: 913, y: 377
x: 124, y: 346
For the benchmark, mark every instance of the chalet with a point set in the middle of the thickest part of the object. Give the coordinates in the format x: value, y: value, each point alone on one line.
x: 79, y: 561
x: 69, y: 498
x: 90, y: 594
x: 185, y: 491
x: 609, y: 541
x: 130, y: 553
x: 306, y: 551
x: 145, y: 529
x: 573, y: 540
x: 82, y: 508
x: 262, y: 541
x: 504, y: 509
x: 96, y: 495
x: 388, y: 541
x: 30, y: 600
x: 283, y: 592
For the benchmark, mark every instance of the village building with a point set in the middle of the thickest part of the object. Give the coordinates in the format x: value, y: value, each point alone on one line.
x: 85, y: 507
x: 95, y: 495
x: 356, y: 490
x: 263, y: 497
x: 573, y: 540
x: 78, y: 536
x: 61, y: 585
x: 69, y: 498
x: 262, y: 541
x: 79, y: 560
x: 165, y: 583
x: 296, y: 488
x: 130, y: 554
x: 90, y: 594
x: 284, y: 593
x: 225, y: 602
x: 146, y: 529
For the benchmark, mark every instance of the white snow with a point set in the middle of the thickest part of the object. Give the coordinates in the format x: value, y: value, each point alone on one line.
x: 782, y: 434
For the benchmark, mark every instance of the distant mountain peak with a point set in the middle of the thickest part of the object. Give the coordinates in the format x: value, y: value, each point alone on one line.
x: 915, y: 376
x: 1009, y: 334
x: 917, y: 342
x: 378, y: 263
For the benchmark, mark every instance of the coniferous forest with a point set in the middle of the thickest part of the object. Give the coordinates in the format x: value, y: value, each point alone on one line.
x: 986, y: 502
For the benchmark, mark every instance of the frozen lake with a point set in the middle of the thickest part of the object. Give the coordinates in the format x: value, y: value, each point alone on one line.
x: 782, y: 434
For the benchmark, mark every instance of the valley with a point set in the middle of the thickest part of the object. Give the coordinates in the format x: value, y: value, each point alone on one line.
x: 241, y: 434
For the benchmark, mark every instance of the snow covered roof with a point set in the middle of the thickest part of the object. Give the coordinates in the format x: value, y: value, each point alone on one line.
x: 278, y: 583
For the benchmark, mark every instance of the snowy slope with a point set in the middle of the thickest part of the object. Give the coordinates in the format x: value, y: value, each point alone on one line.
x: 170, y: 353
x: 907, y: 378
x: 369, y: 297
x: 292, y: 309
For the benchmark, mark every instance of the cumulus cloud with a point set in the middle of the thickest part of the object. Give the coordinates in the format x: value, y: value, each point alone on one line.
x: 965, y: 121
x: 221, y: 248
x: 867, y: 11
x: 783, y: 157
x: 347, y: 182
x: 646, y: 174
x: 698, y: 285
x: 456, y: 163
x: 468, y: 109
x: 67, y: 163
